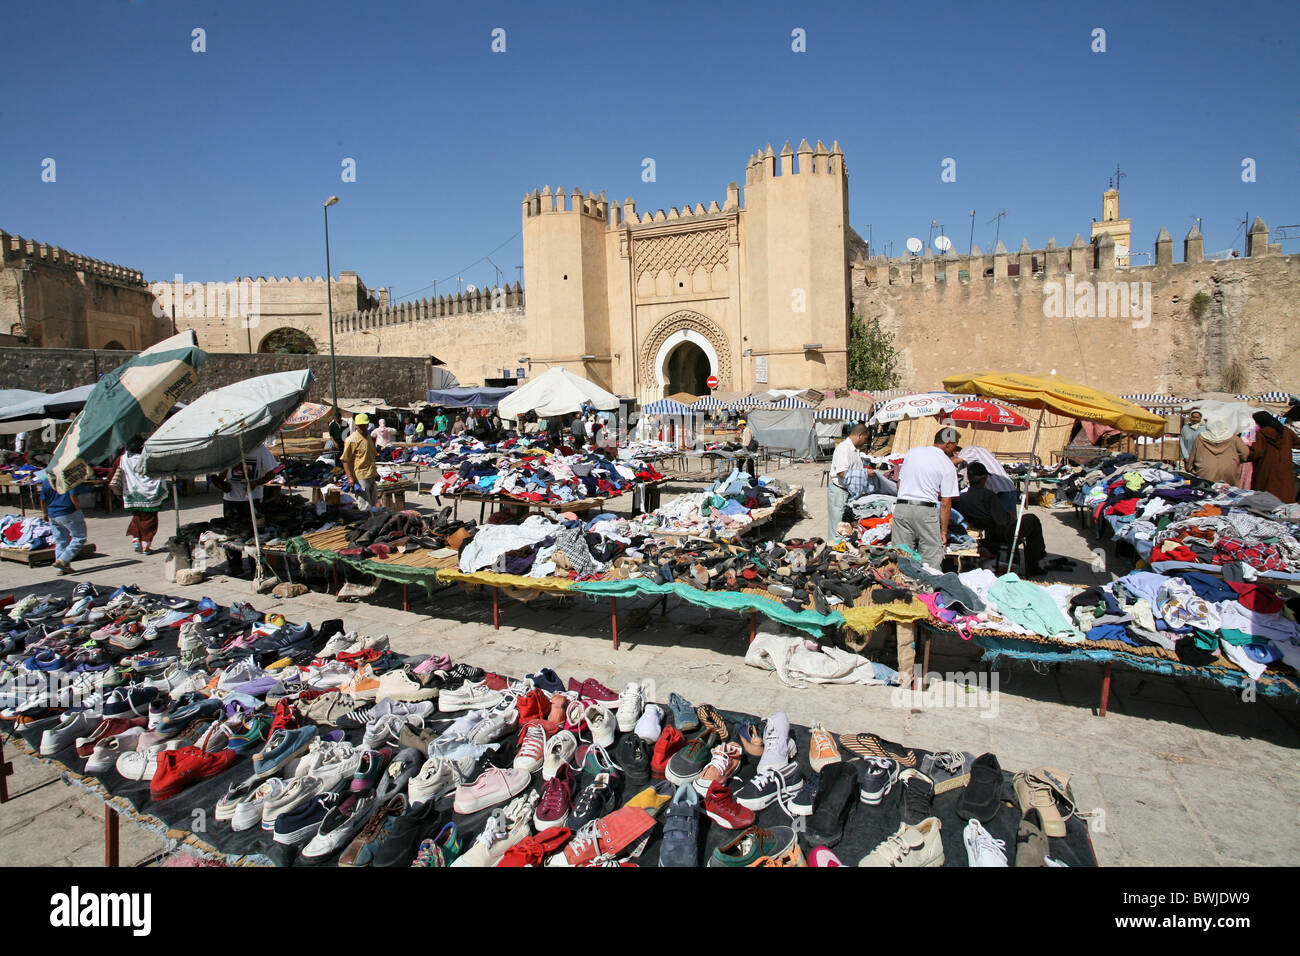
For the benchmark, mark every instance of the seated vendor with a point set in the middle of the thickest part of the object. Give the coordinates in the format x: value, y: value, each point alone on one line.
x: 982, y: 509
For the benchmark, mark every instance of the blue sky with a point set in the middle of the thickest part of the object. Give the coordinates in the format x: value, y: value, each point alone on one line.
x: 215, y: 164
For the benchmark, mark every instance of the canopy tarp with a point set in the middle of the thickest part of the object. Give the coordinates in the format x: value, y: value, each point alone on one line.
x: 1061, y: 396
x: 785, y: 428
x: 129, y: 401
x: 214, y: 432
x: 468, y: 397
x: 667, y: 406
x: 557, y: 391
x: 1054, y: 434
x: 850, y: 408
x: 37, y: 409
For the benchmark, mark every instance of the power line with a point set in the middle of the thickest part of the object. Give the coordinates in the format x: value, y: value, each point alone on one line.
x: 457, y: 273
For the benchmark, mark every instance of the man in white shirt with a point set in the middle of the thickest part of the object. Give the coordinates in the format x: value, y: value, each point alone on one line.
x: 927, y: 488
x: 258, y: 467
x: 845, y: 457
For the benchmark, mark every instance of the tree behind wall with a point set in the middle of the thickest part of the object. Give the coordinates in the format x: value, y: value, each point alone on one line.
x: 873, y: 360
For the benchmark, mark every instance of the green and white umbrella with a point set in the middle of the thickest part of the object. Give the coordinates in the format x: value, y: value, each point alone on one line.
x: 130, y: 400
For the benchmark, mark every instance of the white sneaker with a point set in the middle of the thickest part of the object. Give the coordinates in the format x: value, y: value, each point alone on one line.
x: 493, y: 727
x: 66, y: 731
x: 437, y: 777
x: 236, y: 794
x: 296, y: 791
x: 630, y: 705
x: 348, y: 643
x: 981, y: 848
x: 331, y: 762
x: 328, y: 676
x: 601, y: 723
x: 778, y: 745
x: 387, y: 731
x: 909, y: 846
x: 504, y: 828
x: 532, y: 748
x: 388, y: 706
x: 468, y: 696
x: 139, y: 764
x: 109, y: 749
x: 247, y: 813
x: 462, y: 725
x: 177, y: 680
x: 398, y: 685
x: 651, y: 724
x: 559, y: 749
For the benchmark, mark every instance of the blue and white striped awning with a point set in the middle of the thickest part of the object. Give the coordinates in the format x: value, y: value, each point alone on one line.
x: 1147, y: 398
x: 749, y: 401
x: 841, y: 415
x: 708, y: 403
x: 1276, y: 398
x: 666, y: 406
x: 788, y: 402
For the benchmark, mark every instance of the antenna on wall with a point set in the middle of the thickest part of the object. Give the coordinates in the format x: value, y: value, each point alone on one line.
x: 998, y: 219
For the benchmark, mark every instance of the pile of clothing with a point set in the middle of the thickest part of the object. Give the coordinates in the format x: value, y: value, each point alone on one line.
x: 722, y: 511
x: 530, y: 474
x: 1171, y: 519
x: 32, y: 532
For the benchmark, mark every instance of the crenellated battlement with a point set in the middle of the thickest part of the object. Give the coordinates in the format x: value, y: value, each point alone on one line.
x: 806, y: 160
x: 505, y: 299
x: 1079, y: 258
x: 545, y: 202
x: 17, y: 250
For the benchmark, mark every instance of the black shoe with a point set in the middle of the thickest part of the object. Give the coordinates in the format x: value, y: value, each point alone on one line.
x: 633, y: 755
x: 836, y: 794
x: 918, y: 797
x: 597, y: 799
x: 819, y: 601
x: 982, y: 796
x: 401, y: 835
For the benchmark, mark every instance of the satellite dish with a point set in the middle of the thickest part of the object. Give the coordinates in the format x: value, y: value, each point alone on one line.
x: 470, y: 288
x: 914, y: 246
x: 942, y: 243
x: 1120, y: 250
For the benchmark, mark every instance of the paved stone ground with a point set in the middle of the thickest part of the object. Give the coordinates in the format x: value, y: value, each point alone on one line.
x: 1177, y: 774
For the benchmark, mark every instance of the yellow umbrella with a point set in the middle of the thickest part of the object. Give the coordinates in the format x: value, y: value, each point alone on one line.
x: 1060, y: 396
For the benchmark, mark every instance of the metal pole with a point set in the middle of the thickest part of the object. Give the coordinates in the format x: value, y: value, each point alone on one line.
x: 257, y: 541
x: 329, y: 301
x: 176, y: 504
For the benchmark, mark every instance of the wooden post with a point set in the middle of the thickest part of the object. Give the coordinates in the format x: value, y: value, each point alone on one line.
x: 1105, y: 691
x: 925, y: 665
x: 110, y: 837
x: 496, y: 608
x: 406, y: 602
x: 753, y: 625
x: 906, y: 631
x: 6, y: 770
x: 614, y: 620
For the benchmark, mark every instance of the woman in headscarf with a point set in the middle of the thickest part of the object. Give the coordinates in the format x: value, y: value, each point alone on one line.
x: 1188, y: 436
x: 142, y: 496
x: 1217, y: 452
x: 384, y: 436
x: 1271, y: 456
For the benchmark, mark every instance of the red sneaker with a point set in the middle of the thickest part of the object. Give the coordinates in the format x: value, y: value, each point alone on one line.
x: 606, y: 838
x: 533, y: 850
x: 593, y: 689
x: 178, y: 769
x: 495, y: 681
x: 669, y: 742
x: 533, y: 706
x: 723, y: 809
x: 286, y: 717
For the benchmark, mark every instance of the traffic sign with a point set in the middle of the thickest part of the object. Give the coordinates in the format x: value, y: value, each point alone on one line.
x: 711, y: 381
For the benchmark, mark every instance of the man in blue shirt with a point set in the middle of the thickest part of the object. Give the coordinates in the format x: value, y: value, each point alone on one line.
x: 67, y: 521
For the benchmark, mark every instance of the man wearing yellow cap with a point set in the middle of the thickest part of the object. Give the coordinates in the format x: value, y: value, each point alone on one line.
x: 749, y: 443
x: 358, y: 458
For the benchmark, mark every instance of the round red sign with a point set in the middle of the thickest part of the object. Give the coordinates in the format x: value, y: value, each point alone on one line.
x: 711, y: 381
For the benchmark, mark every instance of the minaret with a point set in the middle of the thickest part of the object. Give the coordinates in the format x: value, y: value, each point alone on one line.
x: 1111, y: 225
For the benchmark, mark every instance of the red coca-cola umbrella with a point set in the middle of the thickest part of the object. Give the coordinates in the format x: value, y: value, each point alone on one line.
x: 981, y: 412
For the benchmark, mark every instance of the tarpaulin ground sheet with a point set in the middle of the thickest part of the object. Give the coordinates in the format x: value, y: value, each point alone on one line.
x: 1156, y: 660
x: 866, y: 827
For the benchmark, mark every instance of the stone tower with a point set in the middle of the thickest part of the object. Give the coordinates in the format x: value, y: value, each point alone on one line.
x: 565, y: 268
x: 796, y: 290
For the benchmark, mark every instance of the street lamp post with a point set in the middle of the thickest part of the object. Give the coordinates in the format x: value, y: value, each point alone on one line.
x: 329, y: 300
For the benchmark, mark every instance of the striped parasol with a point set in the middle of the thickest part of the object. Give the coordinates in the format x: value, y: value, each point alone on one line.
x: 917, y: 405
x: 130, y: 400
